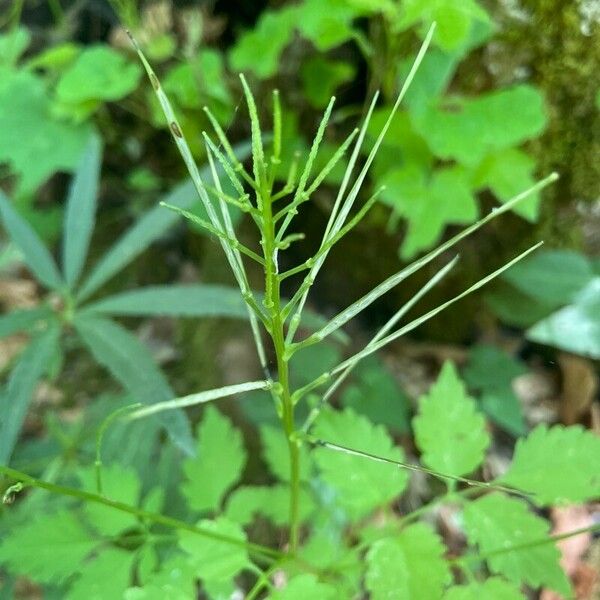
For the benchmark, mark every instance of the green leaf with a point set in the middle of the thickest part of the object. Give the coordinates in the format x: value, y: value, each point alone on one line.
x: 468, y: 129
x: 25, y: 114
x: 105, y: 576
x: 376, y: 395
x: 506, y: 173
x: 55, y: 58
x: 491, y: 589
x: 320, y: 78
x: 554, y: 277
x: 559, y: 465
x: 449, y: 430
x: 218, y: 463
x: 174, y: 581
x: 361, y: 485
x: 48, y: 548
x: 98, y: 74
x: 118, y: 483
x: 303, y: 587
x: 327, y: 23
x: 490, y: 368
x: 175, y: 301
x: 18, y: 391
x: 504, y: 408
x: 23, y: 320
x: 132, y: 365
x: 409, y: 565
x: 213, y: 560
x: 276, y: 454
x: 575, y: 328
x: 34, y: 252
x: 429, y: 205
x: 13, y: 44
x: 514, y: 307
x: 258, y: 50
x: 80, y: 212
x: 272, y: 502
x: 496, y: 522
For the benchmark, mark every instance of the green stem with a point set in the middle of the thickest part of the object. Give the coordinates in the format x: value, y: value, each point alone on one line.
x: 27, y: 480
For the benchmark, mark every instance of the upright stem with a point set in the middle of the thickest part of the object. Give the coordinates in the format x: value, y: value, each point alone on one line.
x: 282, y: 393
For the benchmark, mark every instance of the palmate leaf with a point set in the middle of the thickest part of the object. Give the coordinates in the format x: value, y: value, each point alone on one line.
x: 105, y: 576
x: 557, y: 464
x: 408, y: 566
x: 218, y: 463
x: 275, y: 453
x: 48, y: 549
x: 496, y: 522
x: 175, y: 301
x: 491, y: 589
x: 449, y: 430
x: 132, y: 365
x: 16, y: 395
x: 80, y: 212
x: 361, y: 485
x: 34, y: 252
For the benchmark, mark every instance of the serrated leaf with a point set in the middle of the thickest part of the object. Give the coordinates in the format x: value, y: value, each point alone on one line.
x: 105, y: 576
x: 272, y: 502
x: 175, y: 301
x: 449, y: 430
x: 16, y: 395
x: 303, y: 587
x: 48, y: 549
x: 258, y: 50
x: 575, y: 328
x: 491, y: 589
x: 361, y: 485
x: 132, y: 365
x: 25, y: 114
x: 81, y: 211
x: 496, y: 522
x: 557, y: 464
x: 174, y: 581
x: 467, y: 129
x: 213, y: 560
x: 118, y: 483
x: 217, y: 465
x: 34, y: 252
x: 429, y: 204
x: 407, y: 566
x: 276, y: 454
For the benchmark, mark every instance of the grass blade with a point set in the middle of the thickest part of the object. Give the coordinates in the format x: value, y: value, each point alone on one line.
x: 201, y: 398
x: 80, y: 212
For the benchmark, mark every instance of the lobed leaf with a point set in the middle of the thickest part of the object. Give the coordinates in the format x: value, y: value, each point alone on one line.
x: 493, y: 588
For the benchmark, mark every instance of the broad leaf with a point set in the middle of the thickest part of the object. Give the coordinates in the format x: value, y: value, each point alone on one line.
x: 303, y: 587
x: 360, y: 484
x: 132, y: 365
x: 218, y: 464
x: 48, y: 549
x: 558, y: 465
x: 407, y: 566
x: 34, y: 252
x: 105, y: 576
x: 321, y: 77
x: 272, y: 502
x: 80, y: 211
x: 214, y: 560
x: 276, y: 454
x: 449, y: 430
x: 491, y: 589
x: 175, y: 300
x: 575, y: 328
x: 496, y: 523
x: 18, y: 391
x: 120, y: 484
x: 174, y: 581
